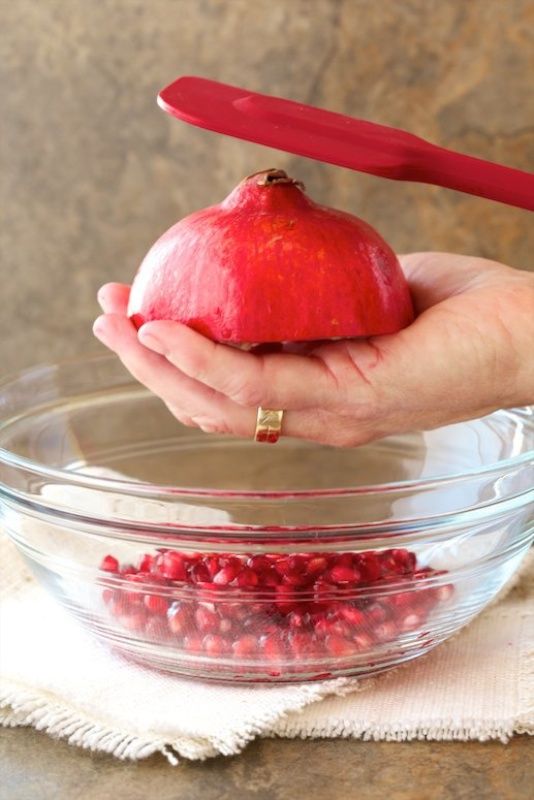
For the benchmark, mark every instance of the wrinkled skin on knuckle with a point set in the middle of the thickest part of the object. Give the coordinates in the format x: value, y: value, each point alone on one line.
x: 351, y: 367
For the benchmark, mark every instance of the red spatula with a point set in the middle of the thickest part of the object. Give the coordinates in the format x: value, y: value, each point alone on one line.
x: 336, y: 139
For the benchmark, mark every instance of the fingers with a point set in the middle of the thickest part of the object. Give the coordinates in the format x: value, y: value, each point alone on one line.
x: 191, y: 402
x: 117, y: 332
x: 196, y: 404
x: 278, y: 380
x: 113, y: 298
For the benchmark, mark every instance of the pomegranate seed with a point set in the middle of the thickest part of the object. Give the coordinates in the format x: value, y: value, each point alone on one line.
x: 322, y: 627
x: 214, y: 645
x: 282, y: 565
x: 376, y: 613
x: 193, y: 643
x: 445, y: 592
x: 317, y: 565
x: 172, y: 565
x: 343, y: 574
x: 302, y: 644
x: 369, y: 567
x: 247, y: 579
x: 207, y: 621
x: 213, y: 565
x: 363, y: 641
x: 259, y: 608
x: 296, y: 578
x: 344, y: 559
x: 200, y: 574
x: 339, y: 628
x: 245, y: 646
x: 134, y: 622
x: 179, y: 618
x: 225, y: 576
x: 108, y: 595
x: 285, y: 602
x: 132, y: 596
x: 388, y: 563
x: 259, y: 564
x: 299, y: 619
x: 272, y: 648
x: 404, y: 560
x: 424, y: 598
x: 298, y: 563
x: 118, y: 605
x: 323, y: 591
x: 109, y: 564
x: 338, y: 646
x: 385, y: 632
x: 352, y: 615
x: 225, y: 625
x: 411, y: 621
x: 271, y: 579
x: 402, y: 600
x: 156, y: 604
x: 146, y: 563
x: 233, y: 611
x: 271, y: 629
x: 156, y: 629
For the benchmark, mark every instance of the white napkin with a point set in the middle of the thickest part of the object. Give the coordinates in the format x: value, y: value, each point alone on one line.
x: 54, y: 677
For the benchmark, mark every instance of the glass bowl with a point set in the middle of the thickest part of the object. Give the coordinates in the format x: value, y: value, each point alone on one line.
x: 220, y: 558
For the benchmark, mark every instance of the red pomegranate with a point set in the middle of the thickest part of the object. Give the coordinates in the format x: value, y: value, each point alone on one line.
x: 270, y: 265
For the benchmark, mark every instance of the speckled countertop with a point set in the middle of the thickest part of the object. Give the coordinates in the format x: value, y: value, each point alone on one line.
x: 37, y: 768
x: 93, y: 172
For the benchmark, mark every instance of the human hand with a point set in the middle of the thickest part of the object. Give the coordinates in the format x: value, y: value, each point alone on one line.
x: 468, y: 353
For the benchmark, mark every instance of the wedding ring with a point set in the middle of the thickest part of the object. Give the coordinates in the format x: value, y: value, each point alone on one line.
x: 268, y: 425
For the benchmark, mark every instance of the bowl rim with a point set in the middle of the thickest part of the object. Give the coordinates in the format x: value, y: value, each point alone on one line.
x: 152, y: 490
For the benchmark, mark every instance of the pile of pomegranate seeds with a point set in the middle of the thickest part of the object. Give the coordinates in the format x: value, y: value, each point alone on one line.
x: 273, y: 607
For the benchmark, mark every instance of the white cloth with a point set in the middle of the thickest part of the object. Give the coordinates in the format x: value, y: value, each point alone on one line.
x: 55, y: 677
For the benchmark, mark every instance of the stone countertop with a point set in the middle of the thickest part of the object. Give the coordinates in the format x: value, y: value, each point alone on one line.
x: 94, y: 172
x: 34, y: 767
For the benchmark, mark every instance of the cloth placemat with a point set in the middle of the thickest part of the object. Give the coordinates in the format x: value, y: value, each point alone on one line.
x: 53, y: 676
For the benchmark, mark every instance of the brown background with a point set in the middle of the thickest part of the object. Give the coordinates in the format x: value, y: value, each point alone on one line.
x: 92, y: 172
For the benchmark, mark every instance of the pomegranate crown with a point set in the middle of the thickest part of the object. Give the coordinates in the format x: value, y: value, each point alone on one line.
x: 273, y: 176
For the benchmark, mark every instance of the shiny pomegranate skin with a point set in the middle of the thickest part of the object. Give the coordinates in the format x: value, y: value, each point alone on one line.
x: 268, y: 265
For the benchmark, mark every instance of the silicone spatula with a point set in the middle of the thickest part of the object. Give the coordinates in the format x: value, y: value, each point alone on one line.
x: 337, y: 139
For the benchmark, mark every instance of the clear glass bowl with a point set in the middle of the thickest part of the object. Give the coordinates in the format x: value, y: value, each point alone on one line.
x: 221, y: 558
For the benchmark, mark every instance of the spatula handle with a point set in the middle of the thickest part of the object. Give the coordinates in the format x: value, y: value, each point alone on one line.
x: 465, y: 173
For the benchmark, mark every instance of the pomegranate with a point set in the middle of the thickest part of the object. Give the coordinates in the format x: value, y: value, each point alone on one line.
x: 335, y: 605
x: 268, y: 265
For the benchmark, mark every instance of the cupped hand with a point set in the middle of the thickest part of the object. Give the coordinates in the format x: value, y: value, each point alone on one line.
x: 468, y: 353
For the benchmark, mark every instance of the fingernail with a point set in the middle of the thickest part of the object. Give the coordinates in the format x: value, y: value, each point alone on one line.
x: 148, y: 339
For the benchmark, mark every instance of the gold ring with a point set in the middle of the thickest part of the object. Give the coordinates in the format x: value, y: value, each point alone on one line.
x: 268, y: 425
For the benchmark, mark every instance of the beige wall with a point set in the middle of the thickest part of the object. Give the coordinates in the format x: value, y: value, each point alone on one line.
x: 94, y: 171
